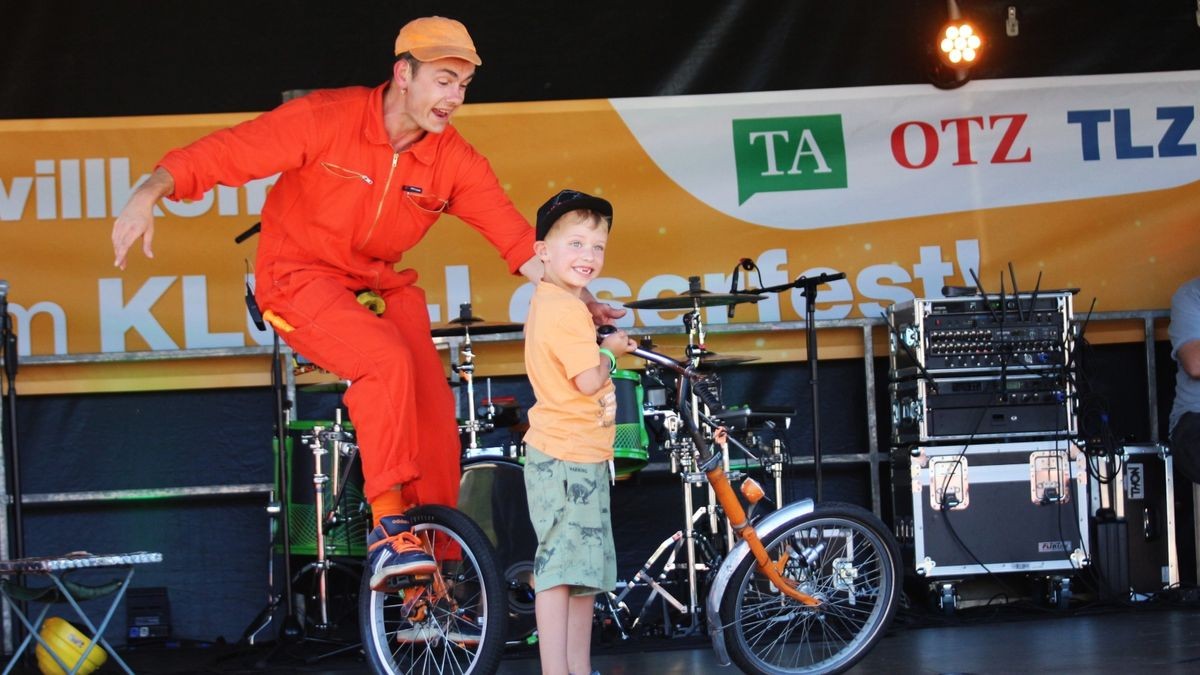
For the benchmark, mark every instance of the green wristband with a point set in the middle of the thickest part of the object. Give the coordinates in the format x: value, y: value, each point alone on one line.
x: 612, y: 359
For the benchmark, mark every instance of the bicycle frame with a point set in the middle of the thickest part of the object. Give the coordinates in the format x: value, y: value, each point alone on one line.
x: 711, y: 466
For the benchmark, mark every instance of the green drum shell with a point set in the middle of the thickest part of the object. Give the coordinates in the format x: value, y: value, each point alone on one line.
x: 343, y: 539
x: 630, y: 447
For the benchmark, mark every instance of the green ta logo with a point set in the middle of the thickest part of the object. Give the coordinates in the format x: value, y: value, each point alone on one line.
x: 781, y: 154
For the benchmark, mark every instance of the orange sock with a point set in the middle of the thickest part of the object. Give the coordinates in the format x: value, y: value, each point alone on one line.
x: 390, y: 503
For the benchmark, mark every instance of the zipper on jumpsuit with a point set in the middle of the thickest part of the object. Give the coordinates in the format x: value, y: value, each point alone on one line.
x: 379, y: 209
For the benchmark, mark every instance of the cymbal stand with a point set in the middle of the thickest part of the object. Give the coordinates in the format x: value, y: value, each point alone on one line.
x: 694, y: 324
x: 697, y: 346
x: 669, y: 547
x: 466, y: 373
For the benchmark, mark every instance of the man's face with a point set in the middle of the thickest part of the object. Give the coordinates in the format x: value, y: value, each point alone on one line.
x: 436, y: 90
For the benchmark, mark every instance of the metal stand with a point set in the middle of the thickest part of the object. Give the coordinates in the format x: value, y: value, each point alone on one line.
x: 808, y: 288
x: 337, y: 438
x: 8, y: 343
x: 465, y: 369
x: 12, y: 537
x: 55, y: 569
x: 339, y: 445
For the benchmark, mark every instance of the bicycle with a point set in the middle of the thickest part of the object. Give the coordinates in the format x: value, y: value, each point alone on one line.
x: 810, y: 588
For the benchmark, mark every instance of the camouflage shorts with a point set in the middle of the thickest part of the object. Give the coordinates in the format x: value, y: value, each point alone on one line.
x: 569, y: 507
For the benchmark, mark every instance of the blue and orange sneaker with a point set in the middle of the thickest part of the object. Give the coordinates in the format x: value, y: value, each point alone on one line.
x: 397, y: 556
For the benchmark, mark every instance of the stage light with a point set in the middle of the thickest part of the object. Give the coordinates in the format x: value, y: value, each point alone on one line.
x: 959, y: 44
x: 956, y: 49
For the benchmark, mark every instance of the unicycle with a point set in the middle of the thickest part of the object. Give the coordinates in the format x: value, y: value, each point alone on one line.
x: 454, y: 623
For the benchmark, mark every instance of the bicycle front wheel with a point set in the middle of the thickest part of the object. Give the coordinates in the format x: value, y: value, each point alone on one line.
x: 842, y: 555
x: 455, y: 624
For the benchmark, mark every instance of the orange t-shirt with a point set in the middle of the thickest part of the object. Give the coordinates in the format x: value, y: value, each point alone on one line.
x: 560, y: 343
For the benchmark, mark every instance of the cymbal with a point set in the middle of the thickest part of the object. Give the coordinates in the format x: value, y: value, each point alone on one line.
x: 694, y: 298
x: 474, y: 326
x: 715, y: 360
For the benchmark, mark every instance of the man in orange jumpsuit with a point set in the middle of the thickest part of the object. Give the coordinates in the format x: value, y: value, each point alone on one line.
x: 364, y: 173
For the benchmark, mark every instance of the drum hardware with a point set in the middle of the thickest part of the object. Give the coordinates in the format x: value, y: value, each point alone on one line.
x: 680, y: 445
x: 694, y: 539
x: 752, y: 420
x: 464, y: 370
x: 468, y: 324
x: 658, y: 583
x: 706, y: 360
x: 340, y: 443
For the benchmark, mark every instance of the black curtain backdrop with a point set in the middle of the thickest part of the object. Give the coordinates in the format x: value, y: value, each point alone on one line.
x: 67, y: 59
x: 121, y: 57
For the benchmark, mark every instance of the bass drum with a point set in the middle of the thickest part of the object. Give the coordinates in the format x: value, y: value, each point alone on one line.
x: 492, y: 493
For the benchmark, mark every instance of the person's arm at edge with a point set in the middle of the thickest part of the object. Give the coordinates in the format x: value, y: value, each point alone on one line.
x: 136, y: 219
x: 1189, y: 358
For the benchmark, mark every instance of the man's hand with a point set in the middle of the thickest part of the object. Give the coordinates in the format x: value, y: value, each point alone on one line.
x: 603, y: 314
x: 136, y: 220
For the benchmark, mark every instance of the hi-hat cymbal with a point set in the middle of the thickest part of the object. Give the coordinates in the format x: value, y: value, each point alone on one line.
x: 694, y: 298
x: 474, y: 326
x: 715, y: 360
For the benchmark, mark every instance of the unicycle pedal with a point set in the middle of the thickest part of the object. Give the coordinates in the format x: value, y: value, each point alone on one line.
x: 399, y: 582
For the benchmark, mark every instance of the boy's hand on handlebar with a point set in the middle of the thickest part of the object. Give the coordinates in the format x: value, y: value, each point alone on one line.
x: 618, y: 343
x: 614, y: 339
x: 720, y: 436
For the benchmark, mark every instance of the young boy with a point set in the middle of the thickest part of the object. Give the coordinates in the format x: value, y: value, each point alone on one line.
x: 570, y: 439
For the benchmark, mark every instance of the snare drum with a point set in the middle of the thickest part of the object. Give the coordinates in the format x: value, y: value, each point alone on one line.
x: 630, y: 445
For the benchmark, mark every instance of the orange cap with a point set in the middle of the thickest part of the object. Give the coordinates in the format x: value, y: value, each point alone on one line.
x: 435, y: 37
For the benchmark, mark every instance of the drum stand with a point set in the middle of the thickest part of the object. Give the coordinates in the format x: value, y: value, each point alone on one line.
x: 683, y: 463
x: 340, y: 444
x: 691, y: 540
x: 465, y: 369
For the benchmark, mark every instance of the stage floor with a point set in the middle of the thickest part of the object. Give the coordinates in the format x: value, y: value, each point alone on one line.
x: 1144, y: 638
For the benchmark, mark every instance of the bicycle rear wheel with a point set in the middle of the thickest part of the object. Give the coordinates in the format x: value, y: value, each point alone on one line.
x: 456, y: 628
x: 839, y: 553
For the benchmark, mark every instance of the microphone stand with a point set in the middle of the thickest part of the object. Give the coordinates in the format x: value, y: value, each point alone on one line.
x: 8, y: 442
x: 8, y: 344
x: 808, y: 288
x: 291, y: 631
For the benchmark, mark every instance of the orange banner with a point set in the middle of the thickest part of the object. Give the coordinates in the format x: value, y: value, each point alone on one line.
x: 917, y: 212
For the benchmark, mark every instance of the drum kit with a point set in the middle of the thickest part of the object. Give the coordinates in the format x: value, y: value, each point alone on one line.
x: 492, y: 486
x: 696, y: 542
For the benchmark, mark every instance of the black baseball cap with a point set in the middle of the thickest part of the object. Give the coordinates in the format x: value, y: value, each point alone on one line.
x: 569, y: 200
